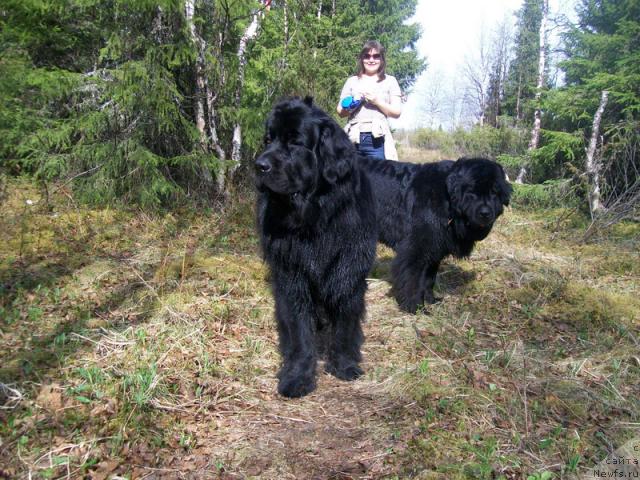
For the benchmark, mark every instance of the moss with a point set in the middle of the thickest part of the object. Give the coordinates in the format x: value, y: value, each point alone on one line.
x: 593, y: 308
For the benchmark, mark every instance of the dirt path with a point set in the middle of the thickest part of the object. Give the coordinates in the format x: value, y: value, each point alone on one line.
x: 342, y: 430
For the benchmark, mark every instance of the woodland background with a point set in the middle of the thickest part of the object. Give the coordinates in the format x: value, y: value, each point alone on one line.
x: 162, y: 103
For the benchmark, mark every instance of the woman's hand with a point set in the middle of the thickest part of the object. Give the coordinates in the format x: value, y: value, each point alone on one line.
x: 371, y: 98
x: 392, y: 110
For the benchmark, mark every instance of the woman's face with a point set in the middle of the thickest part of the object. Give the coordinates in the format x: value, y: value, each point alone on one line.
x: 371, y: 62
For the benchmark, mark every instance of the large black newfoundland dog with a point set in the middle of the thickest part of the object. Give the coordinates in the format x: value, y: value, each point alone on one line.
x: 316, y: 217
x: 428, y: 211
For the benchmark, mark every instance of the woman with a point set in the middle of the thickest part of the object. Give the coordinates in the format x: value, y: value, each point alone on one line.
x: 374, y: 97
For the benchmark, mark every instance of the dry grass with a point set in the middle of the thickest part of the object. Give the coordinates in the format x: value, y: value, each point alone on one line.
x: 419, y: 155
x: 144, y: 347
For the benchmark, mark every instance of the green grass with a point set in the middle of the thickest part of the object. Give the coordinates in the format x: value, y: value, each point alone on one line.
x: 131, y: 342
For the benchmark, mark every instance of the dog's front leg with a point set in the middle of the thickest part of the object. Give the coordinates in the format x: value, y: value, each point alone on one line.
x: 414, y: 276
x: 295, y: 315
x: 427, y: 282
x: 347, y: 337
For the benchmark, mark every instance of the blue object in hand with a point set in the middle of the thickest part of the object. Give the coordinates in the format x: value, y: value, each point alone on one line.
x: 350, y: 103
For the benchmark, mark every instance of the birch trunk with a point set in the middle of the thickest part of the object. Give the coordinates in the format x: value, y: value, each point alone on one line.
x: 189, y: 8
x: 537, y: 116
x: 593, y: 164
x: 204, y: 104
x: 285, y: 50
x: 249, y: 34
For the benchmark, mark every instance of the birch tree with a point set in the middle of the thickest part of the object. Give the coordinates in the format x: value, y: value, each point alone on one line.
x: 593, y: 164
x: 250, y: 33
x: 537, y: 118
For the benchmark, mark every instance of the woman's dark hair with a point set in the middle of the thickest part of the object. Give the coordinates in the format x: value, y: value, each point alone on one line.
x: 372, y: 45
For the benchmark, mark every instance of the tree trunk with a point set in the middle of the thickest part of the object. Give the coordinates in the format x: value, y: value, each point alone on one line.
x: 593, y: 164
x: 285, y: 50
x: 518, y: 113
x: 537, y: 116
x: 203, y: 96
x: 189, y: 8
x: 249, y: 34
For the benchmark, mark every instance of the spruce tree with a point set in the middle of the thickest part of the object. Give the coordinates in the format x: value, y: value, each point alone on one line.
x: 520, y: 85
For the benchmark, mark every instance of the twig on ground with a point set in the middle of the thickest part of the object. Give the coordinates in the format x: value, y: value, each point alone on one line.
x: 10, y: 398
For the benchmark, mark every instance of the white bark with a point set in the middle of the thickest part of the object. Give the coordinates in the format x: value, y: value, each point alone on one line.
x: 535, y: 132
x: 249, y: 34
x: 204, y: 102
x: 189, y: 8
x: 537, y: 116
x: 285, y: 28
x: 593, y: 164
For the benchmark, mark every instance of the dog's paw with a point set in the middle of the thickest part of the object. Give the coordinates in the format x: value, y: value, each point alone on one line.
x: 347, y: 372
x: 429, y: 298
x: 410, y: 306
x: 294, y: 387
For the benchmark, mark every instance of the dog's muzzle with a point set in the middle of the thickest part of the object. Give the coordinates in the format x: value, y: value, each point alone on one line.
x: 263, y: 164
x: 484, y: 216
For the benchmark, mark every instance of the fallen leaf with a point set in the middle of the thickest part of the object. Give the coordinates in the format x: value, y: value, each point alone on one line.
x: 50, y: 397
x: 104, y: 469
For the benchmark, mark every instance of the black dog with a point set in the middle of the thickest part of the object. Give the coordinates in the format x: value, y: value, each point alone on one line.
x: 428, y: 211
x: 316, y: 217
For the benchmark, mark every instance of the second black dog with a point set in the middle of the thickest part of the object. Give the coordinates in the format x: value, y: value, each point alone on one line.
x: 428, y: 211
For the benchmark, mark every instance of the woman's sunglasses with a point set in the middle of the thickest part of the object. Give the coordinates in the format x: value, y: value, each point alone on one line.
x: 375, y: 56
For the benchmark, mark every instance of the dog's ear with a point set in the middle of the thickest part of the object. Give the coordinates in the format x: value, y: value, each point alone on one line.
x: 308, y: 100
x: 334, y: 151
x: 504, y: 187
x: 454, y: 189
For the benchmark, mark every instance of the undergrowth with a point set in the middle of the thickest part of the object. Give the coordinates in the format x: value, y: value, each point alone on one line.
x: 136, y: 344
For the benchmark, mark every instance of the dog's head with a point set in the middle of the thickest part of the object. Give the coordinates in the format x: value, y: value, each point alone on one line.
x: 304, y: 148
x: 478, y: 190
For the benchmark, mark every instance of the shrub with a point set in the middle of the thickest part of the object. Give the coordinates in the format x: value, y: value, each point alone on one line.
x: 561, y: 155
x: 429, y: 139
x: 548, y: 195
x: 476, y: 142
x: 511, y: 164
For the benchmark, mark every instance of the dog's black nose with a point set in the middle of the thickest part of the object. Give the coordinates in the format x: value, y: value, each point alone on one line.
x: 484, y: 213
x: 263, y: 165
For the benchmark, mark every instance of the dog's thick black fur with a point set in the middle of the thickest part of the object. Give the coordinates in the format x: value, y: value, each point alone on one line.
x: 428, y: 211
x: 316, y: 218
